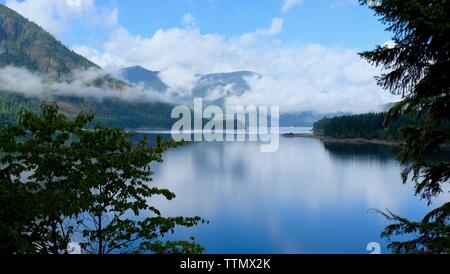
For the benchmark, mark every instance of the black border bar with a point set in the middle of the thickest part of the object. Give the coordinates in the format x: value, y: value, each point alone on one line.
x: 131, y: 264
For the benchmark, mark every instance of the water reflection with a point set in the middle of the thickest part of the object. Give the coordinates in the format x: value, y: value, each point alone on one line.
x: 306, y: 198
x: 362, y: 151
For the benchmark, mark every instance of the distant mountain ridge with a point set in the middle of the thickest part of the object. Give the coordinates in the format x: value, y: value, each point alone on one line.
x: 305, y: 118
x: 213, y: 88
x: 219, y: 85
x: 139, y: 75
x: 26, y: 45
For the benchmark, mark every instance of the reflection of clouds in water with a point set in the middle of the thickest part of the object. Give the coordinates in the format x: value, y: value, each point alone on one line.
x: 302, y: 198
x: 208, y: 175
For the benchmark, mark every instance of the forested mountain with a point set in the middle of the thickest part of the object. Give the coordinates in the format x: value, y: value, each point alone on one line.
x: 140, y: 75
x: 25, y: 45
x: 10, y: 103
x: 216, y: 86
x: 213, y: 88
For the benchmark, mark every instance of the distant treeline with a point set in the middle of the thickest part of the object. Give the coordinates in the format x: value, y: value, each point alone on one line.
x: 10, y: 104
x: 109, y: 111
x: 368, y: 126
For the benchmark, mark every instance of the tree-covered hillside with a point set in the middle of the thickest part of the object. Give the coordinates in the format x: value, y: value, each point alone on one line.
x: 109, y: 111
x: 10, y: 104
x: 369, y: 126
x: 25, y: 44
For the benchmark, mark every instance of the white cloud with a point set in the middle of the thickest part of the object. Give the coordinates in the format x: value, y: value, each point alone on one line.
x: 289, y: 4
x: 23, y: 81
x: 189, y: 20
x: 179, y: 78
x: 313, y: 78
x: 389, y: 44
x: 55, y: 16
x: 186, y: 48
x: 74, y: 3
x: 295, y: 77
x: 275, y: 28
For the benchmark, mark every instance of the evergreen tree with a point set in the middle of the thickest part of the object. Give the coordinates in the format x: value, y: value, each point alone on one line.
x: 368, y: 126
x: 418, y: 68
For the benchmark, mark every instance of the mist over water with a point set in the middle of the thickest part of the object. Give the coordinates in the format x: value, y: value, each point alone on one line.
x: 309, y: 197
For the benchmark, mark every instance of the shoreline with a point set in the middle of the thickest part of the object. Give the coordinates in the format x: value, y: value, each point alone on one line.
x: 351, y: 141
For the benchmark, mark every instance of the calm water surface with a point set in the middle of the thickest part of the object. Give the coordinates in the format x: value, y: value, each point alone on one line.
x: 309, y: 197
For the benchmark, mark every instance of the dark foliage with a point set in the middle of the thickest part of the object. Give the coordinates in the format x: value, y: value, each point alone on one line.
x: 418, y: 68
x: 108, y: 112
x: 60, y: 183
x: 368, y: 126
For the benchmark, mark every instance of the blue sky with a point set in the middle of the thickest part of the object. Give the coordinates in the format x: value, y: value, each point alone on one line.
x: 327, y: 22
x: 306, y: 50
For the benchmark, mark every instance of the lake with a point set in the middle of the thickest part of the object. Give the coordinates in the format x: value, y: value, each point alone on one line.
x: 309, y: 197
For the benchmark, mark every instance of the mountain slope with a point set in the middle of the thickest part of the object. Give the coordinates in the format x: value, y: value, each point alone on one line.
x: 139, y: 75
x: 219, y: 85
x: 211, y: 87
x: 25, y: 44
